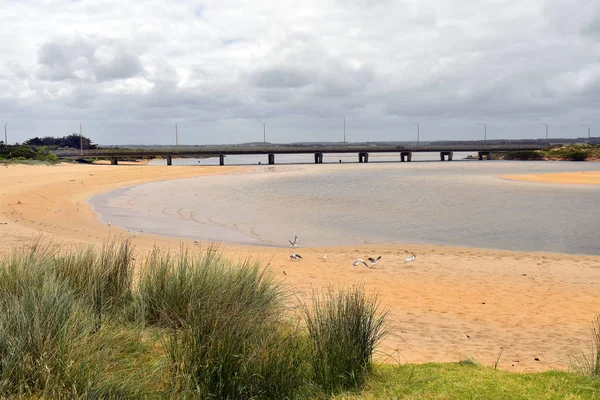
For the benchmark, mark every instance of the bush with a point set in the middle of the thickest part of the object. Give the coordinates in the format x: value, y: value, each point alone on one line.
x: 344, y: 329
x: 523, y: 155
x: 22, y: 151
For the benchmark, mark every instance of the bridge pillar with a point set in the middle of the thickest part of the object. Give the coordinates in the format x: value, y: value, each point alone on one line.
x: 443, y: 155
x: 169, y: 160
x: 271, y: 159
x: 487, y: 154
x: 318, y: 158
x: 222, y: 159
x: 113, y: 161
x: 405, y: 154
x: 363, y: 157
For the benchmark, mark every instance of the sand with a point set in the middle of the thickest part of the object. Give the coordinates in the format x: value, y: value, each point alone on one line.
x: 449, y: 304
x: 568, y: 178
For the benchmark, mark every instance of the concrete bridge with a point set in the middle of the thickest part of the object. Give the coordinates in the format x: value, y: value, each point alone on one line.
x: 404, y: 152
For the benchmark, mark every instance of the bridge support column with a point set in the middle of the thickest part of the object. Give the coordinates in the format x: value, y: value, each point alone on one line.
x: 169, y: 160
x: 363, y: 157
x: 443, y: 155
x: 222, y: 159
x: 113, y: 161
x: 318, y: 158
x: 487, y: 154
x: 405, y: 154
x: 271, y: 159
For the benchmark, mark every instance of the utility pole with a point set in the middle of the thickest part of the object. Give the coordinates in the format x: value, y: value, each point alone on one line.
x: 344, y: 130
x: 589, y: 130
x: 176, y: 138
x: 81, y: 138
x: 484, y: 130
x: 546, y: 125
x: 264, y: 132
x: 418, y: 130
x: 5, y: 136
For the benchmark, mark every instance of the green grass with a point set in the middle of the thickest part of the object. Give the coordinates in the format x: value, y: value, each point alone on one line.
x: 453, y: 381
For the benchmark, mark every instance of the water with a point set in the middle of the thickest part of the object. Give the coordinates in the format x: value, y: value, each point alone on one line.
x: 463, y: 203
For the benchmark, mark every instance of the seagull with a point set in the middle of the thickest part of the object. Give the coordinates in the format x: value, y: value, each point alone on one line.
x: 355, y: 263
x: 295, y: 257
x: 325, y: 257
x: 295, y: 242
x: 373, y: 261
x: 411, y: 258
x: 137, y: 233
x: 196, y: 242
x: 109, y: 224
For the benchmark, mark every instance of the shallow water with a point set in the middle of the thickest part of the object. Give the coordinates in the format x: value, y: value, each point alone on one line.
x: 463, y: 203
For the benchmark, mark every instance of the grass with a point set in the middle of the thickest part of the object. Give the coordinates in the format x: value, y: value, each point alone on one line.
x: 344, y: 329
x: 196, y: 325
x: 453, y: 381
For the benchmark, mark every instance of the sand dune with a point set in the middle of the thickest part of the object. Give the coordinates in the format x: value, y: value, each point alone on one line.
x: 450, y: 303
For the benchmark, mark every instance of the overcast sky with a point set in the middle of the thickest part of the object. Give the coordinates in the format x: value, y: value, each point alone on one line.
x: 130, y: 69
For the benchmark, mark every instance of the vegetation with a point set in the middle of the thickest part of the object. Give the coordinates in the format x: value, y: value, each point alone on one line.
x: 195, y: 325
x: 74, y: 141
x: 576, y: 152
x: 38, y: 149
x: 13, y: 154
x: 455, y: 381
x: 344, y: 329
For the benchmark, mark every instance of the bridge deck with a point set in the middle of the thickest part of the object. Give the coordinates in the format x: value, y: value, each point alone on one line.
x: 214, y: 151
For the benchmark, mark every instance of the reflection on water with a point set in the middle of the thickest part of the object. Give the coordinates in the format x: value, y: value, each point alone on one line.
x: 457, y: 203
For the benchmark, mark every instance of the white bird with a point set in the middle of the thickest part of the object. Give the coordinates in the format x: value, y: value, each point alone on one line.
x: 325, y: 257
x: 137, y: 233
x: 21, y: 212
x: 295, y: 242
x: 295, y: 257
x: 373, y: 261
x: 15, y: 221
x: 355, y: 263
x: 196, y: 242
x: 109, y: 224
x: 411, y: 258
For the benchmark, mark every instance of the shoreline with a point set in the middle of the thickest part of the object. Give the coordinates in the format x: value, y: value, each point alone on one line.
x: 449, y: 304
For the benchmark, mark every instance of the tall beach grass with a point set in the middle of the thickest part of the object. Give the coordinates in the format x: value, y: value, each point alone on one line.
x: 194, y: 325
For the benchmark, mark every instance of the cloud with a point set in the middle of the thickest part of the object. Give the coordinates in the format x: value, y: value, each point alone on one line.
x: 219, y: 65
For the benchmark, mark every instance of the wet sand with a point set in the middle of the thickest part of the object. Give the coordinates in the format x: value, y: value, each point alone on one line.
x: 449, y: 304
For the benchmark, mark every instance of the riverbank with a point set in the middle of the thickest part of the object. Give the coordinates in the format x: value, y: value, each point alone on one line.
x: 449, y: 304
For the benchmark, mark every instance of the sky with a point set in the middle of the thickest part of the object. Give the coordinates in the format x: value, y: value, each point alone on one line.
x: 129, y: 70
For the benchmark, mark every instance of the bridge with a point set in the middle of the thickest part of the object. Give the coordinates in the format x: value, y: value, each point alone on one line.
x: 404, y: 152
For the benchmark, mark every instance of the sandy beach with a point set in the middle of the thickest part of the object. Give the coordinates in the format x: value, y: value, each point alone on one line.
x: 449, y: 304
x: 566, y: 178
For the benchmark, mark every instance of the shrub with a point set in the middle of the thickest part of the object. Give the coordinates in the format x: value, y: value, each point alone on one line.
x: 523, y: 155
x: 344, y: 329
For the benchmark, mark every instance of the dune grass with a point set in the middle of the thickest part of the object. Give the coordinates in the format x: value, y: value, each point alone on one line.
x: 344, y: 328
x: 195, y: 325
